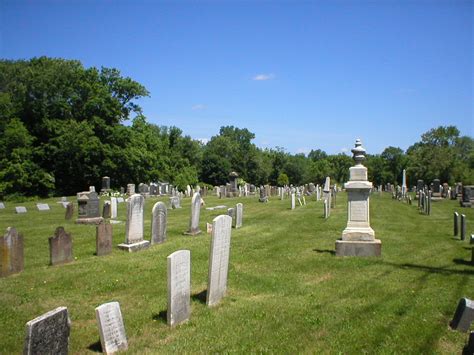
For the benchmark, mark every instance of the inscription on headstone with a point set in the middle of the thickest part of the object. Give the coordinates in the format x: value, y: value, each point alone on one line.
x: 179, y: 287
x: 111, y: 328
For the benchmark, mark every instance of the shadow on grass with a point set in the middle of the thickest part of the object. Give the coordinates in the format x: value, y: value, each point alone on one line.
x: 95, y: 347
x: 463, y: 262
x: 200, y: 297
x: 431, y: 269
x: 332, y: 252
x: 162, y: 316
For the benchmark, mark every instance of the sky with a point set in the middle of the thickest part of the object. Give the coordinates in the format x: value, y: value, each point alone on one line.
x: 300, y: 75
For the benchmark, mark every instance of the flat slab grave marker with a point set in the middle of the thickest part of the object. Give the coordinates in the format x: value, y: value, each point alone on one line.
x: 463, y: 316
x: 158, y: 223
x: 11, y: 252
x: 42, y: 207
x: 134, y: 225
x: 218, y: 259
x: 20, y: 209
x: 48, y: 333
x: 103, y: 239
x: 179, y: 287
x: 60, y: 247
x: 111, y: 328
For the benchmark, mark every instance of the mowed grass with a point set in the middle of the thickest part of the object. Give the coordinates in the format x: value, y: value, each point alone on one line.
x: 287, y: 292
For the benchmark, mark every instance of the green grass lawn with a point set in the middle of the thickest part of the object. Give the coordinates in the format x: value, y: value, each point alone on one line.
x: 287, y: 292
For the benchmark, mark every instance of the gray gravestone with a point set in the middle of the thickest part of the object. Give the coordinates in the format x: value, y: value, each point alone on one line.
x: 69, y: 210
x: 103, y: 239
x: 113, y: 207
x: 231, y: 214
x: 195, y: 212
x: 20, y: 209
x: 106, y: 210
x: 239, y: 212
x: 463, y: 226
x: 105, y: 184
x: 456, y: 223
x: 179, y: 287
x: 42, y: 207
x: 48, y: 333
x: 134, y: 225
x: 11, y: 252
x: 60, y: 247
x: 88, y: 211
x: 158, y: 223
x: 130, y: 189
x: 219, y: 259
x: 463, y: 316
x: 111, y: 328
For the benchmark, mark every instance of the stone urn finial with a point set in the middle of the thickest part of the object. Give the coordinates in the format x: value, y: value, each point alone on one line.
x: 358, y: 152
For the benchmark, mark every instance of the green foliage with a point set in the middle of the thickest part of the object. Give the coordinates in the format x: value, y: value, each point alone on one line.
x: 283, y: 179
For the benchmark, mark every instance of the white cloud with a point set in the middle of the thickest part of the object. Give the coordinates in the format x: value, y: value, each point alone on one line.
x: 262, y: 77
x: 344, y: 150
x: 203, y: 140
x: 199, y: 107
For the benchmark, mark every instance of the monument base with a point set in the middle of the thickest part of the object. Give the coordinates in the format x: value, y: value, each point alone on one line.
x: 144, y: 244
x: 358, y: 248
x: 93, y: 220
x: 465, y: 204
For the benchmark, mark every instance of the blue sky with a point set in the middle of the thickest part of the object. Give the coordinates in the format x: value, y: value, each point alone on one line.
x: 301, y: 75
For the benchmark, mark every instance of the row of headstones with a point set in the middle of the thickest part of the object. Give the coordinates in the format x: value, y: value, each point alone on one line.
x: 49, y: 333
x: 39, y: 206
x: 424, y: 202
x: 459, y: 228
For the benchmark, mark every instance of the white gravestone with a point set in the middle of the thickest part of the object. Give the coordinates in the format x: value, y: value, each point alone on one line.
x: 219, y: 259
x: 2, y: 206
x: 239, y: 212
x: 111, y: 328
x: 195, y: 212
x: 113, y: 207
x: 48, y: 333
x: 293, y: 202
x: 358, y: 239
x: 158, y: 223
x: 42, y: 207
x: 179, y: 287
x: 20, y: 209
x: 120, y: 200
x: 134, y: 225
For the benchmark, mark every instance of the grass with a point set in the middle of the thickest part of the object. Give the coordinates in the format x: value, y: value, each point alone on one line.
x: 287, y: 292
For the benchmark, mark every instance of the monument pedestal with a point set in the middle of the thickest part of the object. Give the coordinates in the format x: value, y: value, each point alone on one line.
x: 358, y: 248
x: 144, y: 244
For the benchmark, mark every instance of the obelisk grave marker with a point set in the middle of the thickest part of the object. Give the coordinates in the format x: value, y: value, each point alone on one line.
x: 358, y: 239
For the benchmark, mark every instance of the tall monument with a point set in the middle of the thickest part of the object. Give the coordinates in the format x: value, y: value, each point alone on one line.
x: 358, y: 239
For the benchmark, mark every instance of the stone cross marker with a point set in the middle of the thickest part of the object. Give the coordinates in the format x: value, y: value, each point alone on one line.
x: 134, y: 225
x: 113, y: 207
x: 20, y: 209
x: 11, y: 252
x: 103, y: 239
x: 195, y: 212
x: 60, y: 247
x: 358, y: 239
x: 179, y: 287
x: 111, y: 328
x: 48, y: 333
x: 69, y: 210
x: 42, y: 207
x: 219, y: 259
x: 463, y: 316
x: 158, y: 223
x: 239, y: 214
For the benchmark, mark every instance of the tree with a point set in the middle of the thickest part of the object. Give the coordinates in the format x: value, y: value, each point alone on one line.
x: 283, y: 179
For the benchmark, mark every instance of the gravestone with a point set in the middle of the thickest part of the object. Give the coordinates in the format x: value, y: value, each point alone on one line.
x: 106, y: 210
x: 111, y: 328
x: 88, y: 208
x: 48, y: 333
x: 231, y: 214
x: 113, y: 207
x: 466, y: 197
x: 404, y: 183
x: 20, y: 209
x: 358, y: 239
x: 120, y: 200
x: 456, y: 223
x: 103, y: 239
x: 69, y: 211
x: 218, y: 259
x: 179, y: 287
x: 134, y: 225
x: 293, y: 201
x: 60, y: 247
x: 195, y: 213
x: 91, y: 188
x: 158, y: 223
x: 469, y: 348
x: 420, y: 184
x: 130, y: 189
x: 463, y: 226
x: 263, y: 196
x: 175, y: 202
x: 11, y: 252
x: 239, y: 213
x: 233, y: 190
x: 463, y: 316
x: 42, y: 207
x: 2, y: 206
x: 326, y: 208
x: 105, y: 184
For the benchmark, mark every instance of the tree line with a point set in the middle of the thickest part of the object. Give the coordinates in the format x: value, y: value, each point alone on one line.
x: 63, y: 127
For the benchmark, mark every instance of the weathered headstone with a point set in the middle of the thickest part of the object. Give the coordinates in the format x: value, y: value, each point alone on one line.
x: 111, y: 328
x: 358, y: 239
x: 88, y: 208
x: 158, y: 223
x: 48, y: 333
x: 231, y: 214
x: 106, y: 210
x: 239, y: 213
x: 20, y: 209
x: 113, y: 207
x: 60, y: 247
x: 463, y: 316
x: 105, y: 184
x: 263, y: 197
x: 466, y: 197
x: 103, y: 239
x: 463, y: 226
x: 456, y: 223
x: 134, y: 225
x: 11, y: 252
x: 219, y: 259
x: 42, y: 207
x: 195, y: 213
x: 69, y: 210
x: 179, y: 287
